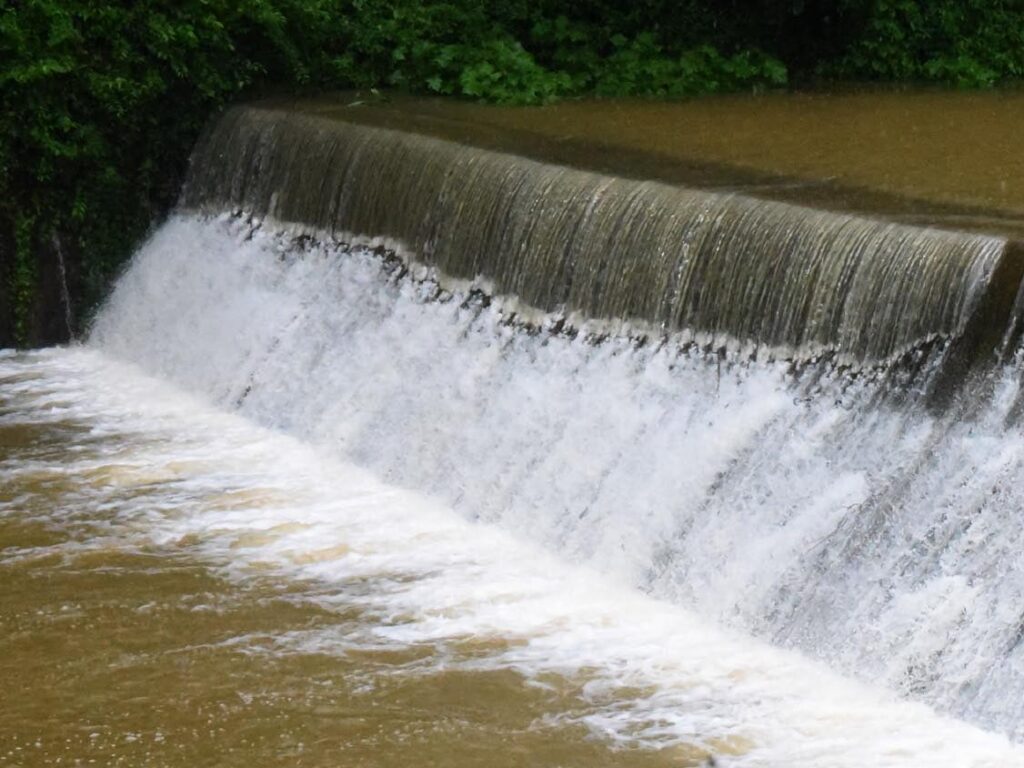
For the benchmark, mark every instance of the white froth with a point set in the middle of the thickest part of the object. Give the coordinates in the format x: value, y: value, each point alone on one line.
x: 882, y: 540
x: 239, y: 495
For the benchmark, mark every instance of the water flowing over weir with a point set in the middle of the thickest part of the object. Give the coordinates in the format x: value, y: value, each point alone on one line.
x: 729, y: 269
x: 882, y: 537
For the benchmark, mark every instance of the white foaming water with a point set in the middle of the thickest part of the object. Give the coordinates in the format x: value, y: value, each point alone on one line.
x: 240, y: 496
x: 884, y: 541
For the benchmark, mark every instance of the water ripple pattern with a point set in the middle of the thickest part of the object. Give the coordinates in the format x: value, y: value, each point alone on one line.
x: 250, y: 502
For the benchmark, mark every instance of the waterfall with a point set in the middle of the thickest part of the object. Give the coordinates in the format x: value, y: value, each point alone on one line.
x: 604, y: 366
x: 735, y: 272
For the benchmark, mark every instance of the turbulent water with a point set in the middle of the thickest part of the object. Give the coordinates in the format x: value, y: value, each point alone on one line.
x: 882, y: 539
x: 187, y: 588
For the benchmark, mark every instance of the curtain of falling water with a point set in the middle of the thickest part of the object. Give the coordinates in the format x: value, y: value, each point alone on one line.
x: 727, y: 268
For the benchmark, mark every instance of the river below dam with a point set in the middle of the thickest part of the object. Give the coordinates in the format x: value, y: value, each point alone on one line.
x: 286, y: 507
x: 184, y: 588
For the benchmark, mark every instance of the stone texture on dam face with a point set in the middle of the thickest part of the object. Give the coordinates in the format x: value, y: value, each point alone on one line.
x: 731, y: 263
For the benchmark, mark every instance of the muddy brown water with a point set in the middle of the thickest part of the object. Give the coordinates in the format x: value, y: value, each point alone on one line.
x: 117, y: 652
x: 926, y: 156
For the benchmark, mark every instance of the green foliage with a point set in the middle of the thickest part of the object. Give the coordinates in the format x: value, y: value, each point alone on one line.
x: 99, y: 104
x: 599, y: 59
x: 640, y: 67
x: 511, y: 54
x: 503, y: 71
x: 966, y: 43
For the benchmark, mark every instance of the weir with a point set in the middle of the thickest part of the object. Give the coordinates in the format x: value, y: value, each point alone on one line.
x: 730, y: 271
x: 866, y: 531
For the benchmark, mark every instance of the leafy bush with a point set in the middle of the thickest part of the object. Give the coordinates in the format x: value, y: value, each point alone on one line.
x: 640, y: 67
x: 967, y: 43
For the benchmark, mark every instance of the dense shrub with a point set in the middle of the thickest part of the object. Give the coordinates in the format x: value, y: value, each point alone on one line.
x: 99, y: 103
x: 968, y: 43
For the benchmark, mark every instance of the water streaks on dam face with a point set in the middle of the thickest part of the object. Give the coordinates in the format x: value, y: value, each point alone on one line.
x: 732, y: 270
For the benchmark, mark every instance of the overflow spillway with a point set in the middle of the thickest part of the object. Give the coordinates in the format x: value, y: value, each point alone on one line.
x: 726, y: 269
x: 879, y: 536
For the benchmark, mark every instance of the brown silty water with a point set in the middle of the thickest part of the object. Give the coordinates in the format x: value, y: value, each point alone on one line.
x: 928, y: 156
